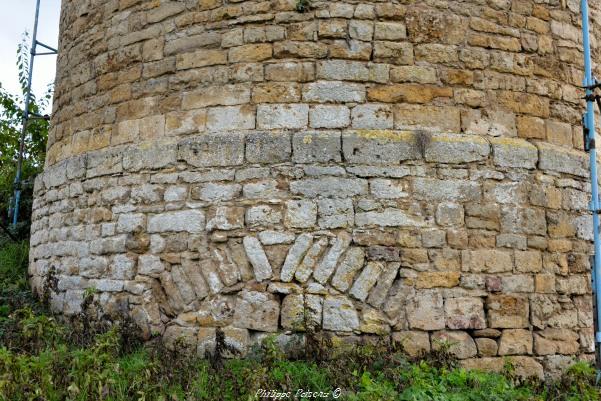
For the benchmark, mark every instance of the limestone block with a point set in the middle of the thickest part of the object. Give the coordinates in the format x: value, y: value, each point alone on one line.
x: 374, y: 321
x: 268, y: 148
x: 335, y: 213
x: 464, y: 313
x: 342, y: 70
x: 256, y: 311
x: 258, y: 259
x: 131, y: 222
x: 449, y: 214
x: 295, y: 256
x: 425, y: 311
x: 372, y: 116
x: 486, y: 347
x: 487, y: 260
x: 556, y: 341
x: 437, y: 279
x: 301, y: 311
x: 378, y: 147
x: 507, y: 311
x: 262, y: 215
x: 269, y: 237
x: 515, y: 342
x: 461, y: 344
x: 387, y: 189
x: 379, y: 292
x: 300, y: 213
x: 366, y: 280
x: 305, y: 268
x: 339, y: 314
x: 452, y: 148
x: 326, y: 267
x: 351, y: 263
x: 329, y: 187
x: 316, y: 147
x: 333, y: 91
x: 230, y: 118
x: 511, y: 152
x: 192, y: 221
x: 446, y: 190
x: 212, y: 149
x: 414, y: 343
x: 329, y: 116
x: 278, y: 116
x: 178, y: 338
x: 225, y: 218
x: 559, y: 159
x: 388, y: 218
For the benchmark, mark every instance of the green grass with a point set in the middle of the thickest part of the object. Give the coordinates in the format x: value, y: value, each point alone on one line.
x: 40, y: 359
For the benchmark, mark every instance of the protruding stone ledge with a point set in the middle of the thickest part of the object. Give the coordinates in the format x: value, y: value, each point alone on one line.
x: 562, y: 160
x: 369, y: 148
x: 513, y: 152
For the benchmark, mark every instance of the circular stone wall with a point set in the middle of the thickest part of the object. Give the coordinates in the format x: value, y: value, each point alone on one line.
x: 405, y: 169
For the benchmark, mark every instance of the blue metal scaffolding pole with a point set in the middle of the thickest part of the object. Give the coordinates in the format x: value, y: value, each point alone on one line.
x: 589, y: 126
x: 26, y: 113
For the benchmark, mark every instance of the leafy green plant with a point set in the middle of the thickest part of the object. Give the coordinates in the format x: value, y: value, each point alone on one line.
x: 36, y: 134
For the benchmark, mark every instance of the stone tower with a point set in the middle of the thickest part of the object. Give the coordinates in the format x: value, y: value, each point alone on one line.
x: 407, y: 169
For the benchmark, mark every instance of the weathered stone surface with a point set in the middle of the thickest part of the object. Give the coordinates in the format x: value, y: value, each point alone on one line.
x: 257, y: 311
x: 366, y: 280
x: 488, y: 261
x: 446, y: 190
x: 335, y: 213
x: 329, y: 186
x: 448, y: 148
x: 301, y: 311
x: 464, y: 313
x: 316, y: 147
x: 414, y: 343
x: 507, y: 311
x: 300, y: 213
x: 378, y: 293
x: 524, y: 366
x: 460, y: 343
x: 515, y: 342
x: 295, y: 256
x: 268, y: 148
x: 558, y: 159
x: 339, y: 314
x: 351, y: 263
x: 278, y: 116
x: 217, y: 149
x: 437, y: 279
x: 553, y: 341
x: 425, y: 311
x: 192, y: 221
x: 378, y: 147
x: 486, y: 347
x: 388, y: 218
x: 258, y: 259
x: 511, y: 152
x: 326, y: 267
x: 305, y: 268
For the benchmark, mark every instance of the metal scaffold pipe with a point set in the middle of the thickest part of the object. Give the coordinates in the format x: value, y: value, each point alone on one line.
x: 26, y: 112
x: 589, y: 127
